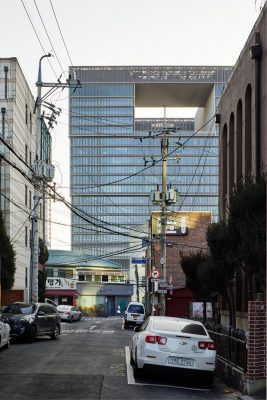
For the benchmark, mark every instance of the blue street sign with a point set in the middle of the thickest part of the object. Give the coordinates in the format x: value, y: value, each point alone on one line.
x: 139, y: 261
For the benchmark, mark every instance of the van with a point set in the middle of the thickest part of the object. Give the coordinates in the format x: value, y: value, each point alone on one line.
x: 134, y: 314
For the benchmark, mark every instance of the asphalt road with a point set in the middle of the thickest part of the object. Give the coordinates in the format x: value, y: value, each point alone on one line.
x: 90, y: 362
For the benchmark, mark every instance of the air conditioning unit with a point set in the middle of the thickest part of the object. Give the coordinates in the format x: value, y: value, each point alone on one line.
x: 48, y: 172
x: 155, y: 196
x: 45, y: 171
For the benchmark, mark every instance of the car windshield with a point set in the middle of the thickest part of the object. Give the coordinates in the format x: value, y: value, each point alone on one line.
x: 136, y: 308
x: 20, y: 309
x: 173, y: 325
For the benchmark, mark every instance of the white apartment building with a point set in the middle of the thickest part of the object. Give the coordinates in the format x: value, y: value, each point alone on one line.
x: 17, y: 129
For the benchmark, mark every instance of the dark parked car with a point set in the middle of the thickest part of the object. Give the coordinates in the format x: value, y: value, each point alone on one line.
x: 29, y: 320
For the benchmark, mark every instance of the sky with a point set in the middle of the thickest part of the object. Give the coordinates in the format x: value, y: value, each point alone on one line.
x: 117, y: 32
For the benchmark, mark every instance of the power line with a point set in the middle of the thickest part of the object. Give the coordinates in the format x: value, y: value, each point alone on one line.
x: 39, y: 40
x: 50, y: 41
x: 61, y: 33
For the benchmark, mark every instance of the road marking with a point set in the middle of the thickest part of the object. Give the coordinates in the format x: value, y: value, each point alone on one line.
x: 131, y: 380
x: 104, y: 332
x: 92, y: 327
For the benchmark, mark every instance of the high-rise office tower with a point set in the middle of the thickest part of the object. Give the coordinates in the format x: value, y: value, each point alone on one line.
x: 115, y: 158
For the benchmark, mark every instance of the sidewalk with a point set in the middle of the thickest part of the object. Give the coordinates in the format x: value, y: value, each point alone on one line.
x: 261, y: 396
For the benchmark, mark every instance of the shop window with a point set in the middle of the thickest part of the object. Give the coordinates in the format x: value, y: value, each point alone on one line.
x: 65, y: 273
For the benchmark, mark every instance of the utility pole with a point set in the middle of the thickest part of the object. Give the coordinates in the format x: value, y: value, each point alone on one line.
x: 37, y: 188
x: 163, y: 219
x: 43, y: 172
x: 163, y: 198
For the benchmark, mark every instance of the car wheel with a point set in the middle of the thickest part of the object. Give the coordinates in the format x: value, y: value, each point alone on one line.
x: 6, y: 346
x: 137, y: 372
x: 208, y: 378
x: 55, y: 335
x: 80, y: 317
x: 125, y: 325
x: 71, y: 319
x: 131, y: 359
x: 32, y: 333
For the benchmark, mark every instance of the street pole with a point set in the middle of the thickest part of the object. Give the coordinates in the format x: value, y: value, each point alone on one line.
x: 164, y: 155
x: 37, y: 189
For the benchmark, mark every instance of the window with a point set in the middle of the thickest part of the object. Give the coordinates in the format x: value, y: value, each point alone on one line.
x: 104, y: 278
x: 26, y: 195
x: 30, y: 122
x: 26, y: 236
x: 26, y: 114
x: 26, y: 154
x: 26, y: 277
x: 81, y: 278
x: 30, y: 199
x: 49, y: 272
x: 65, y: 273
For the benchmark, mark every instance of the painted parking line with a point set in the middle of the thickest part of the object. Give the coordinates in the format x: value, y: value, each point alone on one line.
x: 131, y: 380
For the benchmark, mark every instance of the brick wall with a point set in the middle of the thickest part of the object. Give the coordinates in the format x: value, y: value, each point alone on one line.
x: 256, y: 344
x: 9, y: 296
x: 192, y: 243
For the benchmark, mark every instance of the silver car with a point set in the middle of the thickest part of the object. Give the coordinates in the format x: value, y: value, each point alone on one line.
x: 4, y: 332
x: 69, y: 313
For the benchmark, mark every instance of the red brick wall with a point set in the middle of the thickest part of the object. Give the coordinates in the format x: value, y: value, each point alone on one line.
x: 192, y: 243
x: 256, y: 345
x: 9, y: 296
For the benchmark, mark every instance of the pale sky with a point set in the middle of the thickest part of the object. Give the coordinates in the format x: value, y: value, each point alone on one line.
x: 118, y: 32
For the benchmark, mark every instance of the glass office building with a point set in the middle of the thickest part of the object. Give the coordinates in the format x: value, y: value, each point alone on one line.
x: 115, y: 158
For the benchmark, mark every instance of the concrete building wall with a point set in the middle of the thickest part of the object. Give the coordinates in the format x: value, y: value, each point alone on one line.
x: 17, y: 191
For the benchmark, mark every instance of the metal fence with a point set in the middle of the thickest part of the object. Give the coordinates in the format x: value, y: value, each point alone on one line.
x: 231, y: 345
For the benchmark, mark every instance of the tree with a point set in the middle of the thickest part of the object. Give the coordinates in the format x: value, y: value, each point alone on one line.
x: 224, y: 262
x: 7, y: 257
x: 43, y: 257
x: 41, y: 285
x: 194, y: 266
x: 247, y: 224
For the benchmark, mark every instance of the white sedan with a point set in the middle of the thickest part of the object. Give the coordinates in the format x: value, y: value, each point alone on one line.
x: 4, y: 332
x: 69, y: 313
x: 171, y: 342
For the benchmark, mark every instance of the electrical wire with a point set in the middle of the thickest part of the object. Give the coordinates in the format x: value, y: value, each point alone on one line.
x: 47, y: 34
x: 39, y: 40
x: 61, y: 33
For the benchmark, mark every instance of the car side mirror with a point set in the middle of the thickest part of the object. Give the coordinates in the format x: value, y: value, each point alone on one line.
x: 41, y: 313
x: 5, y: 320
x: 137, y: 328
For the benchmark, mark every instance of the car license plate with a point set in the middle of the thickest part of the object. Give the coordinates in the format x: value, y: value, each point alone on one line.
x: 135, y: 317
x: 184, y: 362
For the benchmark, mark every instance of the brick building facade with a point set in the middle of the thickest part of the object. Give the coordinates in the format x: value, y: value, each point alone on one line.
x: 185, y: 233
x: 243, y: 133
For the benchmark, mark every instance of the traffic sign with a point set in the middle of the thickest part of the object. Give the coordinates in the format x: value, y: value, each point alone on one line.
x: 139, y: 261
x: 155, y: 274
x: 154, y: 280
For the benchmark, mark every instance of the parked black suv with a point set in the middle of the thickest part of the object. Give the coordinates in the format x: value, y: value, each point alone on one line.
x: 28, y: 320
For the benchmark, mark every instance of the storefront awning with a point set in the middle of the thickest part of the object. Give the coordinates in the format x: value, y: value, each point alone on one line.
x: 59, y: 292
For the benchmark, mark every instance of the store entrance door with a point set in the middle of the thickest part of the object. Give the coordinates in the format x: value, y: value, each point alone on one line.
x: 111, y: 306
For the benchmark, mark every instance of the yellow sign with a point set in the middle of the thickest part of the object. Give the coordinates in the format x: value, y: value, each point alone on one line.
x: 179, y: 222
